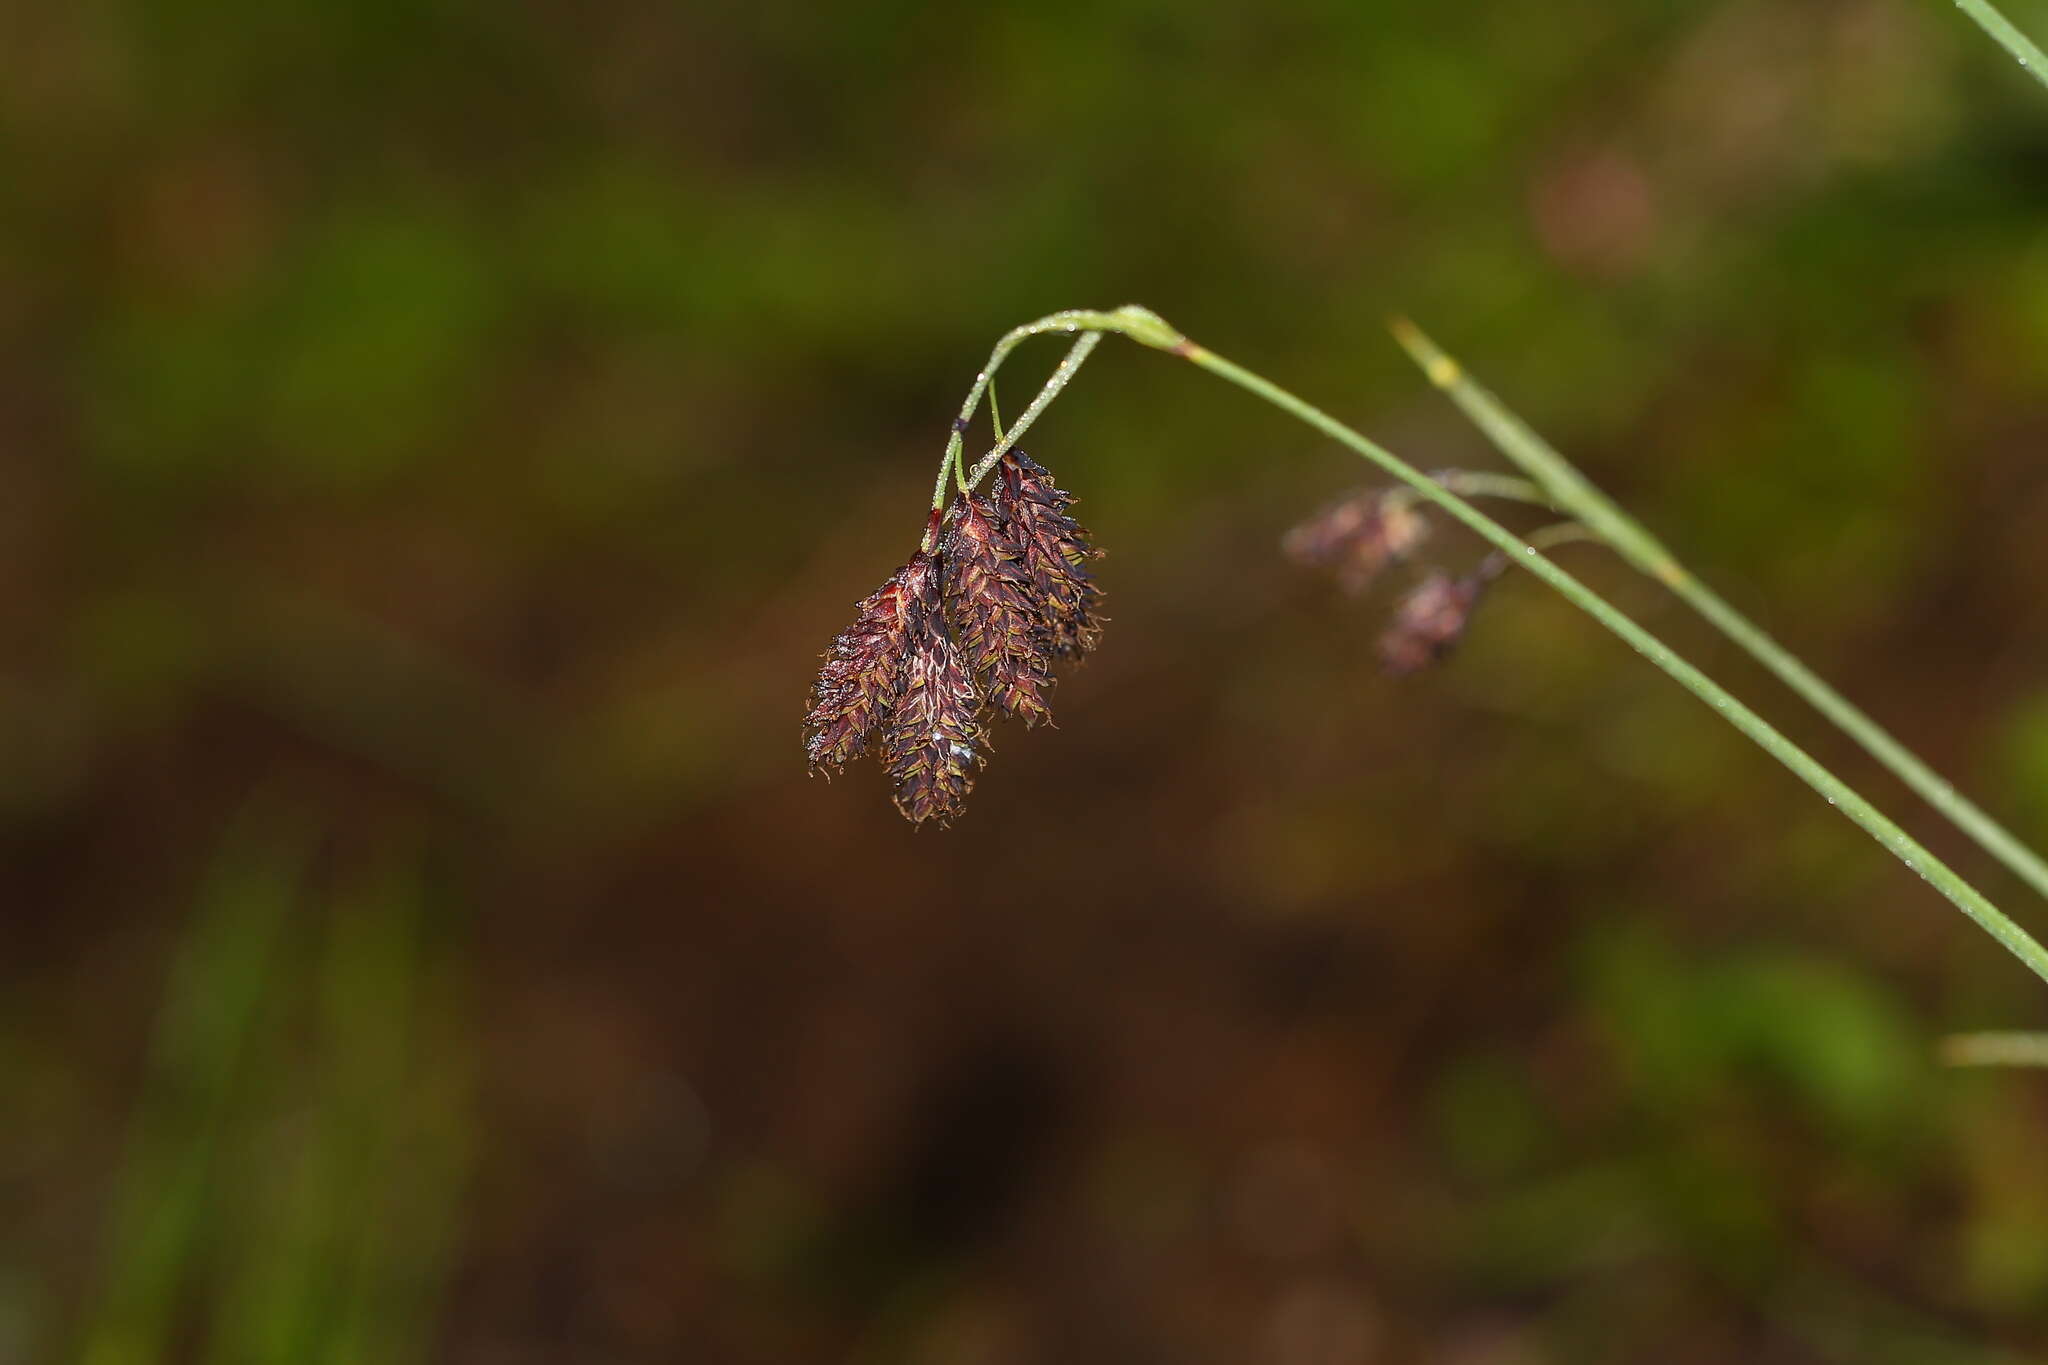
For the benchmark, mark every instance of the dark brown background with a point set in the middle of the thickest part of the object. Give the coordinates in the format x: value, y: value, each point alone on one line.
x: 437, y: 439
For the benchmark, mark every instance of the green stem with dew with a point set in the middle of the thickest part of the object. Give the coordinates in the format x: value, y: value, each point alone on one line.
x: 1571, y: 492
x: 1149, y: 329
x: 2022, y: 48
x: 1077, y: 354
x: 1563, y: 533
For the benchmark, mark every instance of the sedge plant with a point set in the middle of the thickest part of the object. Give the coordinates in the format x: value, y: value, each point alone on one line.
x: 998, y: 594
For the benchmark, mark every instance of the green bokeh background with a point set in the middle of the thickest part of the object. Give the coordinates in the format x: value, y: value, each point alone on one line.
x: 436, y: 440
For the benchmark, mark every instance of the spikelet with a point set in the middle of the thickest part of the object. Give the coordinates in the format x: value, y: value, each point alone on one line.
x: 862, y: 675
x: 934, y: 737
x: 1358, y: 535
x: 1432, y: 618
x: 1031, y: 510
x: 1003, y: 635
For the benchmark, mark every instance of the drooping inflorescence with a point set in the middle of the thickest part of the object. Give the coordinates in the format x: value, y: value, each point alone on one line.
x: 971, y: 625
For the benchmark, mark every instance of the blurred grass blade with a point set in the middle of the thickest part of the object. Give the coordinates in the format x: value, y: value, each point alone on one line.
x: 2006, y: 36
x: 342, y: 1256
x: 401, y: 1097
x: 280, y: 1203
x: 1845, y: 1319
x: 1995, y: 1049
x: 1573, y: 493
x: 163, y: 1210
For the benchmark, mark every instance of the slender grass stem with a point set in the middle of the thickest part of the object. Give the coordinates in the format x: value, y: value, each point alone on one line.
x: 1573, y: 493
x: 2006, y: 36
x: 1562, y: 533
x: 1543, y: 538
x: 1482, y: 483
x: 1149, y: 329
x: 1995, y: 1049
x: 1054, y: 383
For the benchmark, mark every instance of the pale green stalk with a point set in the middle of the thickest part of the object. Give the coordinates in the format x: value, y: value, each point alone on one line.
x: 1563, y: 533
x: 1078, y: 353
x: 2006, y: 36
x: 1570, y: 492
x: 1476, y: 483
x: 1051, y: 390
x: 1149, y: 329
x: 1481, y: 483
x: 1995, y: 1049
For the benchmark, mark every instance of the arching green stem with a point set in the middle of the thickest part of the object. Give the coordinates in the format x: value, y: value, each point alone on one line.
x: 1089, y: 337
x: 1147, y: 328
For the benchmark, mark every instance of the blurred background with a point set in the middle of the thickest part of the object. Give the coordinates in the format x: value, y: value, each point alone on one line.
x: 437, y: 439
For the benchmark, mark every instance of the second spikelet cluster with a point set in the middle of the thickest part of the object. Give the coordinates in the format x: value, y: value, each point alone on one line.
x: 1362, y: 534
x: 973, y: 624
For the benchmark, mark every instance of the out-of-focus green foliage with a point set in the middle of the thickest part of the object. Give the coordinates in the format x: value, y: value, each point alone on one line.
x: 471, y: 420
x: 288, y: 1186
